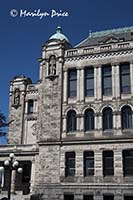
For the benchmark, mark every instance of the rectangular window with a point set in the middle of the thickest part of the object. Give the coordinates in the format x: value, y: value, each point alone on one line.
x: 89, y: 82
x: 26, y: 166
x: 70, y: 164
x: 108, y: 163
x: 68, y: 197
x: 128, y: 162
x: 88, y: 197
x: 107, y: 80
x: 72, y: 83
x: 88, y: 163
x: 30, y: 106
x: 108, y: 197
x: 125, y: 78
x: 128, y: 197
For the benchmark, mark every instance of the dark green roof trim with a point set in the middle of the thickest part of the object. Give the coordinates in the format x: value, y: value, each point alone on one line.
x: 111, y: 31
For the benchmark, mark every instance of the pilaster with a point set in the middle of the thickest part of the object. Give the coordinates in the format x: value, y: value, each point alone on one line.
x: 99, y: 83
x: 118, y: 171
x: 78, y: 85
x: 117, y: 81
x: 113, y: 82
x: 65, y: 84
x: 82, y: 93
x: 131, y: 77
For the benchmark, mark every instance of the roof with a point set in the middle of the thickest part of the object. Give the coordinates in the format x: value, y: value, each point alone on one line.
x: 58, y: 35
x: 108, y: 36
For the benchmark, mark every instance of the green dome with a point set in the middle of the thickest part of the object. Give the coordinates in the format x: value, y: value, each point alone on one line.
x: 58, y: 35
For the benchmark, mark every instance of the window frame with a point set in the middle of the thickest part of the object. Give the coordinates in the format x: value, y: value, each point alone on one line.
x: 70, y: 163
x: 108, y: 196
x: 88, y: 197
x: 127, y: 161
x: 89, y: 120
x: 88, y: 156
x: 89, y: 81
x: 107, y: 120
x: 126, y: 117
x: 107, y: 77
x: 72, y: 83
x: 124, y: 74
x: 30, y: 106
x: 71, y: 121
x: 108, y: 159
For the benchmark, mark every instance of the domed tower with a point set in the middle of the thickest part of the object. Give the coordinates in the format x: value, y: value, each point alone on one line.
x: 51, y: 66
x: 50, y: 109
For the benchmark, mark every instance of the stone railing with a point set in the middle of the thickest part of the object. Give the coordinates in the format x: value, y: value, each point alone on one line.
x: 98, y: 49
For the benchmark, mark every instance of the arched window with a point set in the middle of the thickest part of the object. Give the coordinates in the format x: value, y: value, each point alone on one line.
x: 71, y: 121
x: 89, y: 120
x: 107, y: 119
x: 126, y: 117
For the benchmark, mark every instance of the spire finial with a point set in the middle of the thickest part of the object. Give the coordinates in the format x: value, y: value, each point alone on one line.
x: 58, y: 29
x: 90, y: 33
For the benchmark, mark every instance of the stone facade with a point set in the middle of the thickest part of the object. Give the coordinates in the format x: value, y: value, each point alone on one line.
x: 39, y: 114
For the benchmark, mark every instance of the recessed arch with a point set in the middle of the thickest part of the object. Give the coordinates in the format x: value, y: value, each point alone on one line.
x: 107, y: 119
x: 126, y: 117
x: 71, y: 121
x: 89, y: 120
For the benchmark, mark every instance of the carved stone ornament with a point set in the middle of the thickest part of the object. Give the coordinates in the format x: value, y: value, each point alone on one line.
x: 52, y: 67
x: 16, y: 100
x: 34, y: 129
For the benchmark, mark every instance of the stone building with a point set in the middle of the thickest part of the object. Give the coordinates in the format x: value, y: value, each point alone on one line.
x: 72, y: 131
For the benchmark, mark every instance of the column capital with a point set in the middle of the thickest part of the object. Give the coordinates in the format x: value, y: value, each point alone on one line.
x: 97, y: 66
x: 115, y: 63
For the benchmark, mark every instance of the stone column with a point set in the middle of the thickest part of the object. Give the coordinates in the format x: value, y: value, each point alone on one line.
x: 100, y: 122
x: 98, y: 165
x: 118, y: 123
x: 78, y: 123
x: 131, y: 77
x: 78, y: 85
x: 95, y: 82
x: 82, y: 85
x: 114, y: 120
x: 13, y: 180
x: 118, y: 165
x: 99, y: 83
x: 113, y: 82
x: 32, y: 182
x: 81, y: 122
x: 117, y: 81
x: 64, y: 124
x: 26, y: 106
x: 65, y: 84
x: 41, y: 71
x: 96, y: 121
x: 79, y: 163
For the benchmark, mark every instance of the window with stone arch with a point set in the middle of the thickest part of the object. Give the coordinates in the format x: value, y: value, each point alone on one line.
x: 71, y: 121
x: 126, y: 117
x: 89, y: 120
x: 107, y: 119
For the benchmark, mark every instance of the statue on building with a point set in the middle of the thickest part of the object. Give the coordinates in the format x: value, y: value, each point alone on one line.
x: 17, y: 97
x: 52, y: 66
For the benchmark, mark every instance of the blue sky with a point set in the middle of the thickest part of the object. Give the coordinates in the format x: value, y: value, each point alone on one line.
x: 21, y: 38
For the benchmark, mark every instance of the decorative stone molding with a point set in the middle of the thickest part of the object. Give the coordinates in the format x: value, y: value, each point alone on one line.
x: 98, y: 55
